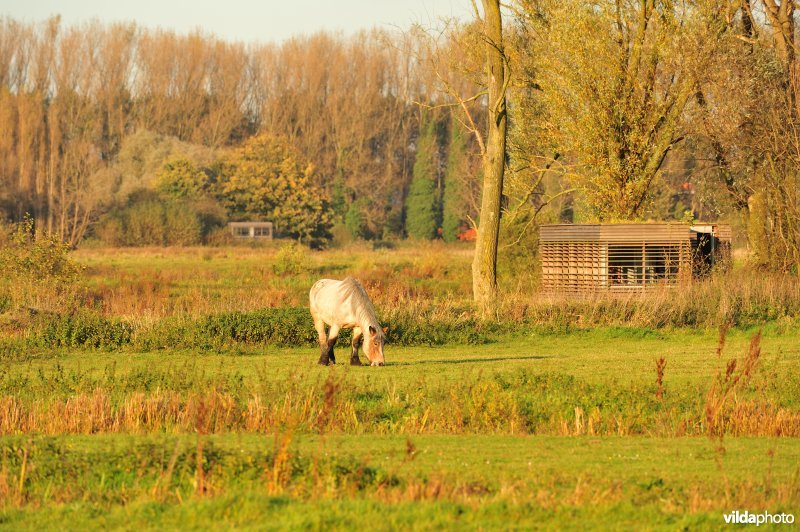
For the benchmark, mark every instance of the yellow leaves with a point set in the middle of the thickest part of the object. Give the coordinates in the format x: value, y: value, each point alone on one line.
x: 180, y: 178
x: 266, y: 178
x: 606, y: 81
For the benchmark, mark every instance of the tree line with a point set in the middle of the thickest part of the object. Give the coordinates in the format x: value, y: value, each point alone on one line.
x: 616, y: 111
x: 80, y: 105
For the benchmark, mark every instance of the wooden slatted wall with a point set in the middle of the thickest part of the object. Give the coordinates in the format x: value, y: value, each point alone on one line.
x: 618, y: 258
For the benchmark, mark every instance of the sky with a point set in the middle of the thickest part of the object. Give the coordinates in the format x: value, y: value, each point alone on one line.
x: 245, y: 20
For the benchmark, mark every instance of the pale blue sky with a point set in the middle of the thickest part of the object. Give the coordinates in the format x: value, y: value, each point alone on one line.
x: 245, y: 20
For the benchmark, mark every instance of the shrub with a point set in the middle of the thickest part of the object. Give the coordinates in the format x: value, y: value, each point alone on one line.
x: 293, y: 327
x: 211, y: 216
x: 419, y: 332
x: 219, y: 236
x: 144, y: 223
x: 182, y: 227
x: 110, y: 230
x: 150, y: 219
x: 80, y: 330
x: 36, y: 272
x: 282, y: 327
x: 289, y: 259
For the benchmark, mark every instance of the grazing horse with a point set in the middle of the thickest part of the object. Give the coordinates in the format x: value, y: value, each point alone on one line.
x: 345, y: 305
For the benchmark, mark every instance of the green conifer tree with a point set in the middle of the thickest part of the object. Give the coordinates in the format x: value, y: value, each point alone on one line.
x: 422, y: 198
x: 452, y: 200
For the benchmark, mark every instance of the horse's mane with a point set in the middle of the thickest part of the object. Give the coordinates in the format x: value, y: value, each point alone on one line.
x: 365, y: 312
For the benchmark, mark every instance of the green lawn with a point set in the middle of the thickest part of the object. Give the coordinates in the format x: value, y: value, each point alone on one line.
x: 557, y: 424
x: 387, y: 469
x: 599, y: 355
x: 422, y: 482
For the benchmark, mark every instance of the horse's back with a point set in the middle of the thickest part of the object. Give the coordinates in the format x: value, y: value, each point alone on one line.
x: 319, y: 285
x: 338, y: 301
x: 317, y: 288
x: 342, y: 287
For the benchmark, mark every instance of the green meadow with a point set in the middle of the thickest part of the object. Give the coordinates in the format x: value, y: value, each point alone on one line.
x: 387, y: 482
x: 184, y: 393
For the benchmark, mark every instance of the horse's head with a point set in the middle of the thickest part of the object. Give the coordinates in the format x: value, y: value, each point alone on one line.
x: 373, y: 345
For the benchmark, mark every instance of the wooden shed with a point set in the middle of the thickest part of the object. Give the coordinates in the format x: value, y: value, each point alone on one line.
x: 624, y: 258
x: 254, y: 230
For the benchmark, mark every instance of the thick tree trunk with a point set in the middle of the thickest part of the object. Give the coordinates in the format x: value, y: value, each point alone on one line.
x: 484, y: 264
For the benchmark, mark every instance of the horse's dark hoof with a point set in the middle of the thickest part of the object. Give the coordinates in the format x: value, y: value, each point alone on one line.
x: 355, y: 362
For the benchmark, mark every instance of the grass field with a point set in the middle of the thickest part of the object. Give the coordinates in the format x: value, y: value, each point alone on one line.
x: 558, y: 415
x: 384, y: 482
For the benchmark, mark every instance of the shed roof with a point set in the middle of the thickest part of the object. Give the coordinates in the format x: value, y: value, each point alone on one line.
x: 656, y: 232
x: 249, y: 224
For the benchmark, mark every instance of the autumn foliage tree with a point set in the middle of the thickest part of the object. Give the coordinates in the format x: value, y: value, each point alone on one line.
x: 71, y: 97
x: 615, y: 79
x: 610, y: 104
x: 268, y: 179
x: 180, y: 178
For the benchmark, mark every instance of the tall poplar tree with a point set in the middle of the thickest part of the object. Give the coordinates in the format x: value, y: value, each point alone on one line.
x: 452, y: 196
x: 421, y: 201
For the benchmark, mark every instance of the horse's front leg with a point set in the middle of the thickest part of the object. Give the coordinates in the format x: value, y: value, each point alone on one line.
x: 333, y: 333
x: 354, y: 360
x: 319, y: 325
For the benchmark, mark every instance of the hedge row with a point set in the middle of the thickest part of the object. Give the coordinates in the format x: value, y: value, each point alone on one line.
x: 279, y: 327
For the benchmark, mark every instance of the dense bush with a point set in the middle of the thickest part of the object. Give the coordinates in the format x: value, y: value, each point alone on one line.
x: 182, y: 225
x: 80, y: 330
x: 283, y: 327
x: 152, y: 219
x: 144, y: 223
x: 293, y: 327
x: 275, y: 327
x: 419, y: 332
x: 36, y: 273
x: 290, y: 259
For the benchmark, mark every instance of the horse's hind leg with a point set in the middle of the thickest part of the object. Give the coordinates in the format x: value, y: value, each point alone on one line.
x: 319, y: 325
x: 354, y: 360
x: 333, y: 333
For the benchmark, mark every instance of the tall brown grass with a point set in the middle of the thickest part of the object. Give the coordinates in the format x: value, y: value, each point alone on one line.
x: 457, y: 408
x: 740, y: 298
x: 722, y: 407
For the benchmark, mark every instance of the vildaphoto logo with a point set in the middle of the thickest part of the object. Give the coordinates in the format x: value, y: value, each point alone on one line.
x: 746, y: 518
